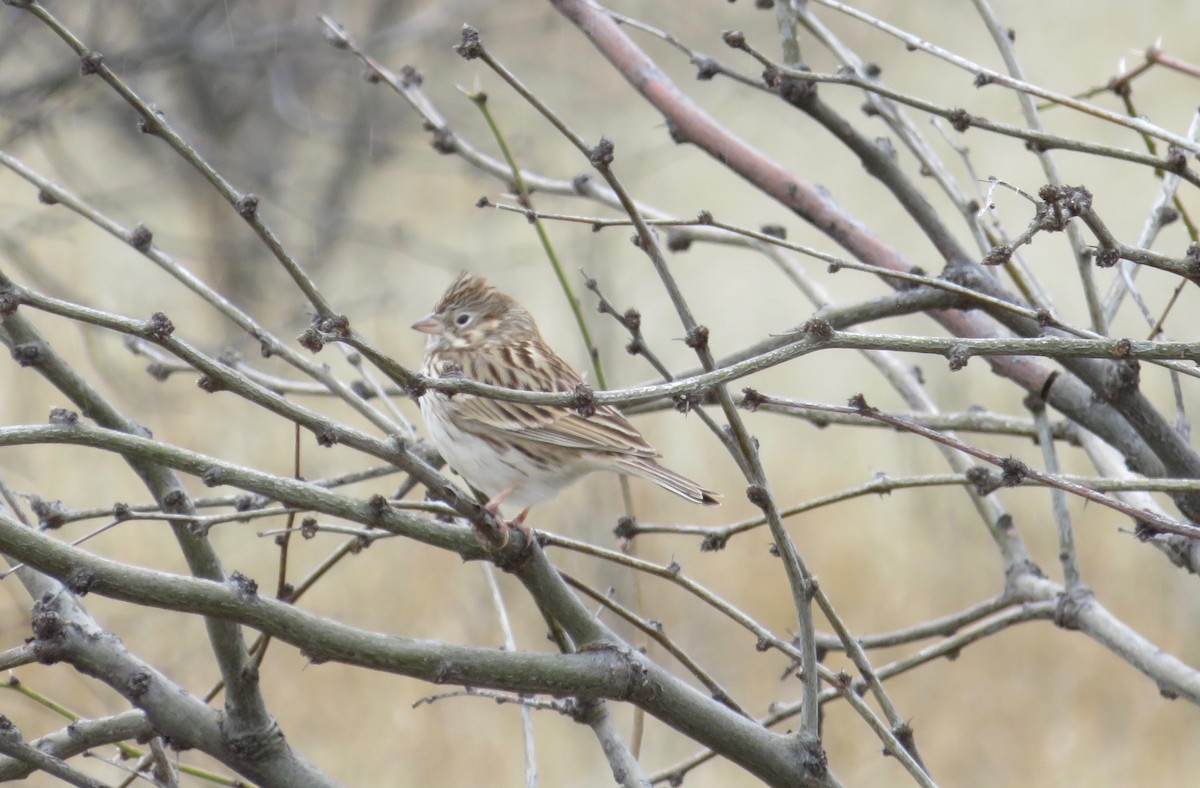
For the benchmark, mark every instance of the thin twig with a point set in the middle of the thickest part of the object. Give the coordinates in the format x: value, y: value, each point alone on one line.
x: 510, y: 644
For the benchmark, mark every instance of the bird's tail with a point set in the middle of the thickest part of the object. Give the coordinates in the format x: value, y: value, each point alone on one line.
x: 668, y: 479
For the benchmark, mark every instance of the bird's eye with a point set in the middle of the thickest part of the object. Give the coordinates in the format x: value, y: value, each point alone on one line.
x: 463, y: 319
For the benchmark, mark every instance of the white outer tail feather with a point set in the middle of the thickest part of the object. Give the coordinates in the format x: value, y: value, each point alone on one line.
x: 667, y: 479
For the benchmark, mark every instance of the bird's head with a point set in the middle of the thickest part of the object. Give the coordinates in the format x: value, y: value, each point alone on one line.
x: 472, y: 314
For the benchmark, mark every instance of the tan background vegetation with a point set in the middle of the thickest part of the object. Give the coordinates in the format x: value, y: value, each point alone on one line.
x: 1034, y: 705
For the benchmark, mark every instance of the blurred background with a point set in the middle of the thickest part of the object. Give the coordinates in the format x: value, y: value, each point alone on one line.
x: 382, y: 222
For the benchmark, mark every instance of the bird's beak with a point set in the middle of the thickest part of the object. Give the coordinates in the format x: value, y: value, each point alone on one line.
x: 428, y: 325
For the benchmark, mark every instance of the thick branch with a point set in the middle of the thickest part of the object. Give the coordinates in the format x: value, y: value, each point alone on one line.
x: 611, y: 671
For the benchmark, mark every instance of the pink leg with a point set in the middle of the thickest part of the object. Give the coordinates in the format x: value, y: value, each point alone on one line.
x: 493, y: 505
x: 519, y: 523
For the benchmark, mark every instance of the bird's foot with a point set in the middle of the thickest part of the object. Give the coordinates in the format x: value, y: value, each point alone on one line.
x: 489, y: 534
x: 518, y: 522
x: 492, y: 507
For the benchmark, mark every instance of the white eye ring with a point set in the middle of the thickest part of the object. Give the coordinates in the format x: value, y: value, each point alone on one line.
x: 463, y: 319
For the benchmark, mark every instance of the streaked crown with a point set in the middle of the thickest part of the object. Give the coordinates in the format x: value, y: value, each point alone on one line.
x: 472, y: 313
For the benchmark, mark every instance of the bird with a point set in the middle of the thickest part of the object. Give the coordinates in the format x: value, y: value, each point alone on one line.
x: 517, y: 453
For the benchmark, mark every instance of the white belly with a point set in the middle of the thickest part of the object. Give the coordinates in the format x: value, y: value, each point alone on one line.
x: 492, y: 471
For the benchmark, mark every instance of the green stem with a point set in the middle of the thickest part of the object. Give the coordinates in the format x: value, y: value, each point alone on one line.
x: 479, y: 99
x: 127, y: 751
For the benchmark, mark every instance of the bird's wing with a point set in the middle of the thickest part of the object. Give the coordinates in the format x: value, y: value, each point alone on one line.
x: 534, y: 367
